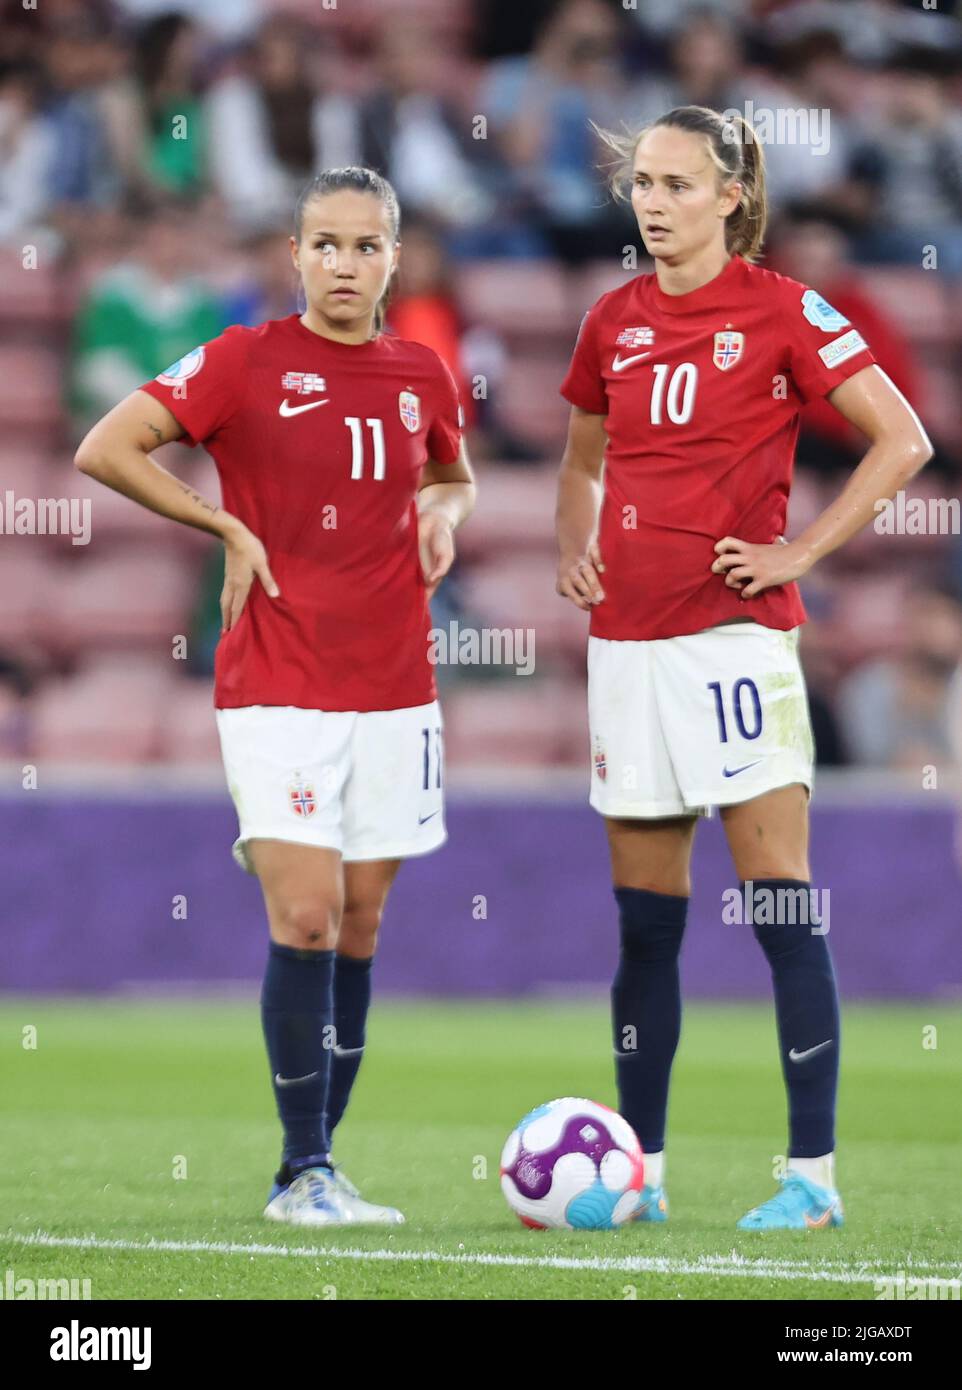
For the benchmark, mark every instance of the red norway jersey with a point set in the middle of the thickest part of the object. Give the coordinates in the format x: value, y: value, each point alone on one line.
x: 319, y: 446
x: 702, y: 394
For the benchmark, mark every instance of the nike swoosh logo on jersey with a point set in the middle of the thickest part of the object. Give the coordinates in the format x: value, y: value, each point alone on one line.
x: 734, y: 771
x: 293, y: 1080
x: 423, y: 819
x: 620, y: 363
x: 809, y: 1052
x: 286, y: 409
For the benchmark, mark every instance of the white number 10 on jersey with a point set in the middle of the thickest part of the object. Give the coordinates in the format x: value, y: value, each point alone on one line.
x: 353, y: 423
x: 681, y: 392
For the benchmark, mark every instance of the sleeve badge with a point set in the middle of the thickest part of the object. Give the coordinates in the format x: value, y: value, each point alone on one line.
x: 819, y: 312
x: 187, y: 366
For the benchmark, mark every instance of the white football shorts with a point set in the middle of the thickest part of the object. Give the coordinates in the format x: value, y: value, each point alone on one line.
x: 681, y: 724
x: 367, y: 784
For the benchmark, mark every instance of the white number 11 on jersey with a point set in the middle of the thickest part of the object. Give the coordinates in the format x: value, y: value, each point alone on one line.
x: 357, y: 446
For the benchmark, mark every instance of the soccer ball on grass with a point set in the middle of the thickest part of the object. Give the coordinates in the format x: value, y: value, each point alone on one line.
x: 572, y: 1164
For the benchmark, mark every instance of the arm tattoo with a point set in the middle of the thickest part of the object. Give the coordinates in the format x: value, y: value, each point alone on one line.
x: 196, y: 497
x: 157, y: 432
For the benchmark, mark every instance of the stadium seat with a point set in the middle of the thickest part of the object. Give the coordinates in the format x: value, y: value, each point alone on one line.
x: 30, y: 393
x: 942, y: 417
x: 188, y: 730
x: 601, y: 276
x: 530, y: 404
x: 528, y: 299
x: 526, y: 721
x: 871, y: 616
x: 142, y: 597
x: 23, y: 470
x: 936, y: 493
x: 25, y: 585
x: 515, y: 509
x: 30, y: 297
x: 510, y: 591
x: 806, y: 500
x: 915, y: 299
x: 109, y: 713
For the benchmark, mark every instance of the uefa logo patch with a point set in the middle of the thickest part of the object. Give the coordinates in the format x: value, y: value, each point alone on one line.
x: 819, y: 312
x: 187, y: 366
x: 409, y: 409
x: 302, y: 799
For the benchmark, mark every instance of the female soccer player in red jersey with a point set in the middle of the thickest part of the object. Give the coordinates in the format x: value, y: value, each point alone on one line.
x: 343, y: 477
x: 687, y: 384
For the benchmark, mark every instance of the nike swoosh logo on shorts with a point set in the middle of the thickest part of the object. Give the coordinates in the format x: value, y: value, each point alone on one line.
x: 347, y: 1051
x: 620, y: 363
x: 809, y: 1052
x: 285, y: 409
x: 293, y: 1080
x: 733, y: 772
x: 422, y: 819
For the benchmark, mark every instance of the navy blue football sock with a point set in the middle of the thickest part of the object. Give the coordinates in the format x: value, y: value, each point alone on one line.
x: 646, y: 1008
x: 352, y: 996
x: 296, y: 1008
x: 806, y: 1009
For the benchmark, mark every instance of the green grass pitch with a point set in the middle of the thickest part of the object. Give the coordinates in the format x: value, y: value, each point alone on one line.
x: 137, y: 1122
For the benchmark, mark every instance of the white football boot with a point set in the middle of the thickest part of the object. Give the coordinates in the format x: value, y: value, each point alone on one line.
x: 368, y: 1213
x: 322, y: 1197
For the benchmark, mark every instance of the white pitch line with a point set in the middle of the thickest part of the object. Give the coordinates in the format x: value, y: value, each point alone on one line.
x: 707, y: 1266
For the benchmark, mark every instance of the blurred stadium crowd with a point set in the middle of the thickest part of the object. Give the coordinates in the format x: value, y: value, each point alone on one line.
x: 150, y: 156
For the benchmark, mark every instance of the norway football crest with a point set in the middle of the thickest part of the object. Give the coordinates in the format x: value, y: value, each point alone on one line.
x: 302, y: 799
x: 409, y: 409
x: 601, y: 762
x: 728, y: 349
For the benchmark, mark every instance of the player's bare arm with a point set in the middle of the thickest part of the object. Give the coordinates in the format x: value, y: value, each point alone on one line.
x: 116, y: 451
x: 579, y: 503
x: 446, y: 498
x: 899, y: 449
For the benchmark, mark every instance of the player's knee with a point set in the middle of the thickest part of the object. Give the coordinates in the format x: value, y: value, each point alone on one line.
x: 763, y: 868
x: 305, y: 923
x: 359, y: 927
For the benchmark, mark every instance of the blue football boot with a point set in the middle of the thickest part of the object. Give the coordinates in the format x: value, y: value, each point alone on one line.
x: 652, y: 1205
x: 799, y: 1205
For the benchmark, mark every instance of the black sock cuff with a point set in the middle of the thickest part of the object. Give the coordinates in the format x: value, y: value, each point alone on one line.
x: 290, y: 1167
x: 353, y: 963
x: 295, y: 953
x: 644, y: 905
x: 776, y: 883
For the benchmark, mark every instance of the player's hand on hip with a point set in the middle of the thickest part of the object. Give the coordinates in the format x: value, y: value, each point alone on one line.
x: 435, y: 547
x: 752, y: 568
x: 578, y: 578
x: 245, y: 560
